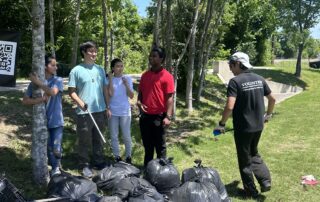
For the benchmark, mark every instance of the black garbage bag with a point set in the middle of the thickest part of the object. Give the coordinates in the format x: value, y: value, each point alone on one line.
x: 107, y: 178
x: 109, y: 199
x: 136, y: 189
x: 162, y: 174
x: 128, y: 167
x: 205, y: 174
x: 76, y: 188
x: 196, y: 191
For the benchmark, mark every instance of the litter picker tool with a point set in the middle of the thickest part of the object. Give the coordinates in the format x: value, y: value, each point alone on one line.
x: 95, y: 124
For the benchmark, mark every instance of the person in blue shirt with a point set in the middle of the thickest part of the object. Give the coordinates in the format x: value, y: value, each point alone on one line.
x: 53, y: 89
x: 120, y: 90
x: 88, y: 88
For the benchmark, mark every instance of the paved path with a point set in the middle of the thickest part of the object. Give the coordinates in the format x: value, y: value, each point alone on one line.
x: 22, y: 85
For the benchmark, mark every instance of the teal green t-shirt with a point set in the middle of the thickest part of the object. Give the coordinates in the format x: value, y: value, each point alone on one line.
x: 89, y: 81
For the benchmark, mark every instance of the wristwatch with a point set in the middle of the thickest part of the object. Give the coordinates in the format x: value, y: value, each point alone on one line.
x: 169, y: 117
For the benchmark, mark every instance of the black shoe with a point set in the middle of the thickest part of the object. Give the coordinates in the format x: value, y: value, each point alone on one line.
x: 251, y: 191
x: 128, y: 160
x: 117, y: 158
x: 87, y: 172
x: 265, y: 186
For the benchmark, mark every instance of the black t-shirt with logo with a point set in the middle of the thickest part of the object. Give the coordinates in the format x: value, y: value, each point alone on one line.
x: 249, y: 90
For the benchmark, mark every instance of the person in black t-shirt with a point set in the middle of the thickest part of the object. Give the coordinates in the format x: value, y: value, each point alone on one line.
x: 245, y: 101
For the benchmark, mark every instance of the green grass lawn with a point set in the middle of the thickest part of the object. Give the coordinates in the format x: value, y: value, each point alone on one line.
x: 289, y: 144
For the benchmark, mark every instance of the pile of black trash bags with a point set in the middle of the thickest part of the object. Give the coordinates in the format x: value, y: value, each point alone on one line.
x: 123, y: 182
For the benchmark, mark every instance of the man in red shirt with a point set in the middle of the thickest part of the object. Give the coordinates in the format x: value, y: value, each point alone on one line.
x: 155, y: 101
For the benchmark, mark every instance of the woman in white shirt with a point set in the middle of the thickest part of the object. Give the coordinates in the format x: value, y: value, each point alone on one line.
x: 120, y: 90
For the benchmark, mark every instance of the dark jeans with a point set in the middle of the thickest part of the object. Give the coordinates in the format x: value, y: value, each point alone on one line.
x: 153, y: 136
x: 89, y: 138
x: 54, y: 146
x: 250, y: 162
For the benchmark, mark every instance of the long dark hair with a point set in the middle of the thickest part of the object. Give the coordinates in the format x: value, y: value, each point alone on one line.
x: 48, y: 59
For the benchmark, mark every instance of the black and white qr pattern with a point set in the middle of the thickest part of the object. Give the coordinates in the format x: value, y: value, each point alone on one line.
x: 7, y: 57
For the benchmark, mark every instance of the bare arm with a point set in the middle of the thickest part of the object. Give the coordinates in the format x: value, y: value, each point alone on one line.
x: 128, y: 90
x: 74, y: 96
x: 110, y: 85
x: 271, y: 103
x: 32, y: 101
x: 49, y: 91
x: 170, y: 104
x: 228, y: 109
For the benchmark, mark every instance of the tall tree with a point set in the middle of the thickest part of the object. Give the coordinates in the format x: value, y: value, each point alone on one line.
x: 191, y: 56
x: 299, y: 16
x: 51, y: 8
x: 156, y: 30
x: 105, y: 37
x: 169, y: 36
x: 39, y: 126
x: 76, y: 35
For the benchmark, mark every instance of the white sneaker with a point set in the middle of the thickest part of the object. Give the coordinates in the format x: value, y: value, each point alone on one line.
x: 55, y: 171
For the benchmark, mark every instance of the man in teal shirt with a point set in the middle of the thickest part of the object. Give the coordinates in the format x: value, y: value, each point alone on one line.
x: 88, y: 88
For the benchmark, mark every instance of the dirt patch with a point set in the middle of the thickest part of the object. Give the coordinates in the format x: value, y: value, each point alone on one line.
x: 7, y: 132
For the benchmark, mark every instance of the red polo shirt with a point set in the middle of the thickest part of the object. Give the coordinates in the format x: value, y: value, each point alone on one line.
x: 154, y: 86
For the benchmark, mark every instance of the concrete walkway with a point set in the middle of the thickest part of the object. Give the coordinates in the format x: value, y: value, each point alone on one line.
x: 280, y: 91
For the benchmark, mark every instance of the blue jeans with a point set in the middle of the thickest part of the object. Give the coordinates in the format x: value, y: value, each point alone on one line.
x: 54, y: 146
x: 124, y: 122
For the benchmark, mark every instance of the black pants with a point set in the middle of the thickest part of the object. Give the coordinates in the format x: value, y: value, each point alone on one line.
x: 249, y: 159
x: 153, y: 136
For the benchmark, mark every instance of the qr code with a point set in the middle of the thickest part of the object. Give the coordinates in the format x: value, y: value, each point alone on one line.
x: 7, y: 56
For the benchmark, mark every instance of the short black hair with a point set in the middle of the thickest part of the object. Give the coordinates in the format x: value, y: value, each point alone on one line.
x: 160, y: 51
x: 48, y: 59
x: 114, y: 62
x: 86, y: 45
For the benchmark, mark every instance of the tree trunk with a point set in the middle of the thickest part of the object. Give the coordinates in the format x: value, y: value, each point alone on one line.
x: 105, y: 37
x: 190, y: 71
x: 169, y: 38
x: 111, y: 36
x: 220, y: 10
x: 193, y: 27
x: 156, y: 30
x: 39, y: 126
x: 53, y: 52
x: 76, y: 36
x: 298, y: 65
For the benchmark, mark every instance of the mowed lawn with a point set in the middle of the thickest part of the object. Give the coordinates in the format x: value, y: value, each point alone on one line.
x: 289, y: 144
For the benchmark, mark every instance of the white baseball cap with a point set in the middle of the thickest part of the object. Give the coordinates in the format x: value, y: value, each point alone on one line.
x: 241, y: 57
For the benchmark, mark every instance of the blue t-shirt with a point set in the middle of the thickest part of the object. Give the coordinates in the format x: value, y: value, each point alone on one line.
x: 89, y: 81
x: 119, y: 102
x: 54, y: 103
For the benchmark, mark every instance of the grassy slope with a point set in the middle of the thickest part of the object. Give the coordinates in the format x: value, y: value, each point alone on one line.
x: 289, y: 144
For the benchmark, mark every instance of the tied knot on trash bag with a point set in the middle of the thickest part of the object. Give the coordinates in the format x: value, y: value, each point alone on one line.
x: 309, y: 180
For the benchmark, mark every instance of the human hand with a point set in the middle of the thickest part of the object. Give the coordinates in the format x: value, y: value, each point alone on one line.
x: 110, y: 74
x: 166, y: 122
x: 84, y: 106
x: 267, y: 117
x: 108, y: 113
x: 34, y: 78
x: 125, y: 81
x: 220, y: 127
x: 142, y: 107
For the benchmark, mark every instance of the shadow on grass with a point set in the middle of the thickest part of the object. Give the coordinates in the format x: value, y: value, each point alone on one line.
x: 235, y: 192
x: 280, y: 77
x: 17, y: 169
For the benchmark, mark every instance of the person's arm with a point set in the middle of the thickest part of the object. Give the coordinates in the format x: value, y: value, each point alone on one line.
x: 142, y: 107
x: 74, y: 96
x: 227, y: 110
x: 110, y: 85
x: 32, y: 101
x: 169, y: 101
x: 271, y: 103
x: 49, y: 91
x: 107, y: 99
x: 129, y: 92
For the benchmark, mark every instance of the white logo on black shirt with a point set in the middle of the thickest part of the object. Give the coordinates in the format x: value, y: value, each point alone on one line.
x: 252, y: 85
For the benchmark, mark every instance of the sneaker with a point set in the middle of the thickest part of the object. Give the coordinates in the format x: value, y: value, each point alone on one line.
x: 265, y: 186
x: 55, y: 171
x: 128, y: 160
x: 117, y: 158
x: 86, y: 172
